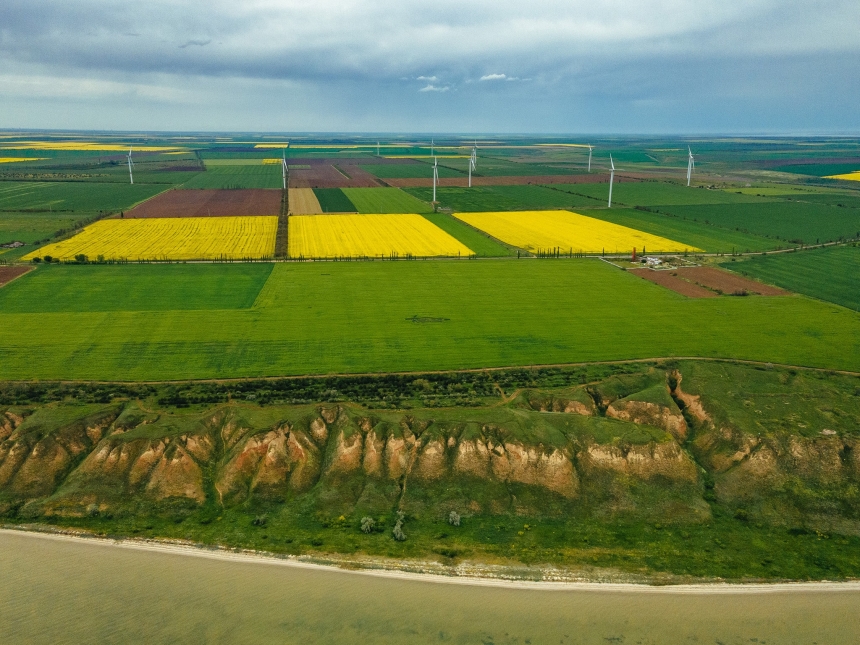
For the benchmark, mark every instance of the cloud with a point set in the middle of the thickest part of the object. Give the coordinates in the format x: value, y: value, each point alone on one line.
x: 493, y: 77
x: 433, y: 88
x: 198, y: 43
x: 429, y: 79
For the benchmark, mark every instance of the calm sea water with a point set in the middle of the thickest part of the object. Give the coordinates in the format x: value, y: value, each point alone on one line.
x: 54, y: 591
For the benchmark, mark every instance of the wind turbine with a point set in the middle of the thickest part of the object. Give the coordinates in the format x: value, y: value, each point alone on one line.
x: 611, y: 179
x: 377, y: 148
x: 691, y: 164
x: 590, y: 148
x: 130, y: 166
x: 435, y: 180
x: 473, y: 162
x: 432, y: 153
x: 284, y: 167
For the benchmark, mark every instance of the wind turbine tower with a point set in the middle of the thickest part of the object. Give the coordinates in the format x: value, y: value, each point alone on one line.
x: 691, y: 165
x: 377, y: 148
x: 130, y: 166
x: 284, y: 167
x: 435, y: 180
x: 590, y: 148
x: 611, y: 179
x: 473, y: 162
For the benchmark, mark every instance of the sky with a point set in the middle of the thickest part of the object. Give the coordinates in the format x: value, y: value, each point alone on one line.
x: 478, y: 66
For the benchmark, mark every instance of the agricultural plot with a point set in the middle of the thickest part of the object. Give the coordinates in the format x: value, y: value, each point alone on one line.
x: 316, y: 236
x: 482, y: 244
x: 831, y: 274
x: 385, y: 200
x: 303, y: 201
x: 409, y: 170
x: 188, y: 238
x: 221, y: 177
x: 333, y: 200
x: 32, y: 227
x: 848, y: 176
x: 819, y: 170
x: 325, y: 175
x: 341, y: 317
x: 501, y: 198
x: 136, y: 287
x: 209, y: 203
x: 711, y: 239
x: 545, y: 231
x: 652, y: 193
x: 73, y: 196
x: 783, y: 220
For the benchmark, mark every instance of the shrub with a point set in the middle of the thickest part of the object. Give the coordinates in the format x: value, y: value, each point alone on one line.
x: 367, y: 524
x: 397, y: 531
x: 454, y: 518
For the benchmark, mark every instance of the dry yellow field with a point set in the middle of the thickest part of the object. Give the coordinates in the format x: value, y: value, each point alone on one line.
x: 174, y: 238
x: 19, y: 159
x: 329, y: 236
x: 849, y: 176
x: 303, y: 201
x: 546, y: 230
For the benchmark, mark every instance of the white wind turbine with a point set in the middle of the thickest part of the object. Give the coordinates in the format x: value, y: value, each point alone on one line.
x: 284, y: 167
x: 432, y: 152
x: 590, y: 148
x: 611, y: 179
x: 691, y: 165
x: 435, y: 180
x: 473, y: 162
x: 377, y: 148
x: 130, y: 166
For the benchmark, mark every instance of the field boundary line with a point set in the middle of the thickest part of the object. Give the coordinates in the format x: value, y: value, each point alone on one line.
x: 470, y: 370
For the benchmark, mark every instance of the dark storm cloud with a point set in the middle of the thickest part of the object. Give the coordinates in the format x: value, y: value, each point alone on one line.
x: 541, y: 55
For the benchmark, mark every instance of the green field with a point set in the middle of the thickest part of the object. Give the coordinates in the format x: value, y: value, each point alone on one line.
x: 653, y: 193
x: 709, y: 238
x: 408, y: 170
x: 73, y: 196
x: 333, y: 200
x: 831, y: 274
x: 503, y: 198
x: 385, y: 200
x: 819, y: 170
x: 30, y: 227
x: 245, y: 176
x: 783, y: 220
x: 479, y: 242
x: 361, y: 317
x: 136, y: 287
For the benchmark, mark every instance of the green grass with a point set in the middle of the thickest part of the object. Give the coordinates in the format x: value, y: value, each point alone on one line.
x: 385, y: 200
x: 653, y: 193
x: 408, y: 170
x: 783, y: 220
x: 256, y: 176
x: 359, y: 317
x: 832, y: 274
x: 159, y: 287
x: 819, y: 170
x: 333, y: 200
x: 699, y: 235
x: 30, y: 227
x: 482, y: 245
x: 73, y: 196
x: 503, y: 198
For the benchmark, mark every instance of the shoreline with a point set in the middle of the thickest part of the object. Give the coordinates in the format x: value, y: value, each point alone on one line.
x: 466, y: 574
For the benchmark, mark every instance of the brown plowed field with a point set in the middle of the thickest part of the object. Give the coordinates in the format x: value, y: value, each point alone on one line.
x: 325, y: 175
x: 7, y: 274
x: 426, y: 182
x: 209, y: 203
x: 670, y: 281
x: 303, y: 201
x: 728, y: 283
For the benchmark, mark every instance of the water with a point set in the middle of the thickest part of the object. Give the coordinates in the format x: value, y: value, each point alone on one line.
x: 61, y: 591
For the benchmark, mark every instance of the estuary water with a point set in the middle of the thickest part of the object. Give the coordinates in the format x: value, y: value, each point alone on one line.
x: 85, y: 591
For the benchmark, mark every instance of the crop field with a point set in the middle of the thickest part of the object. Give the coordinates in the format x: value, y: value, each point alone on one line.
x: 188, y: 238
x: 30, y: 227
x: 333, y: 200
x: 338, y: 317
x: 409, y: 170
x: 652, y: 193
x: 848, y: 176
x: 385, y: 200
x: 501, y: 198
x: 711, y: 239
x: 819, y: 169
x: 782, y: 220
x: 831, y: 274
x: 257, y: 176
x: 545, y: 230
x: 209, y: 203
x: 331, y: 236
x: 72, y: 196
x: 480, y: 243
x: 303, y: 201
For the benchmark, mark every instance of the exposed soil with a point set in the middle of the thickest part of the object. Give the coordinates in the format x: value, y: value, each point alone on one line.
x: 9, y: 273
x: 669, y: 280
x: 524, y: 180
x: 303, y: 201
x: 728, y: 283
x: 209, y: 203
x: 325, y: 175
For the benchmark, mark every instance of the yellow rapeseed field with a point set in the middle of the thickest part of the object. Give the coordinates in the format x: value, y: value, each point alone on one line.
x: 78, y: 146
x: 329, y: 236
x: 17, y: 159
x: 546, y: 230
x: 173, y: 238
x: 849, y: 176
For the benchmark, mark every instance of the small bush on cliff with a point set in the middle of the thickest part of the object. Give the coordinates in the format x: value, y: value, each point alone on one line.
x: 454, y: 518
x: 397, y: 531
x: 367, y: 524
